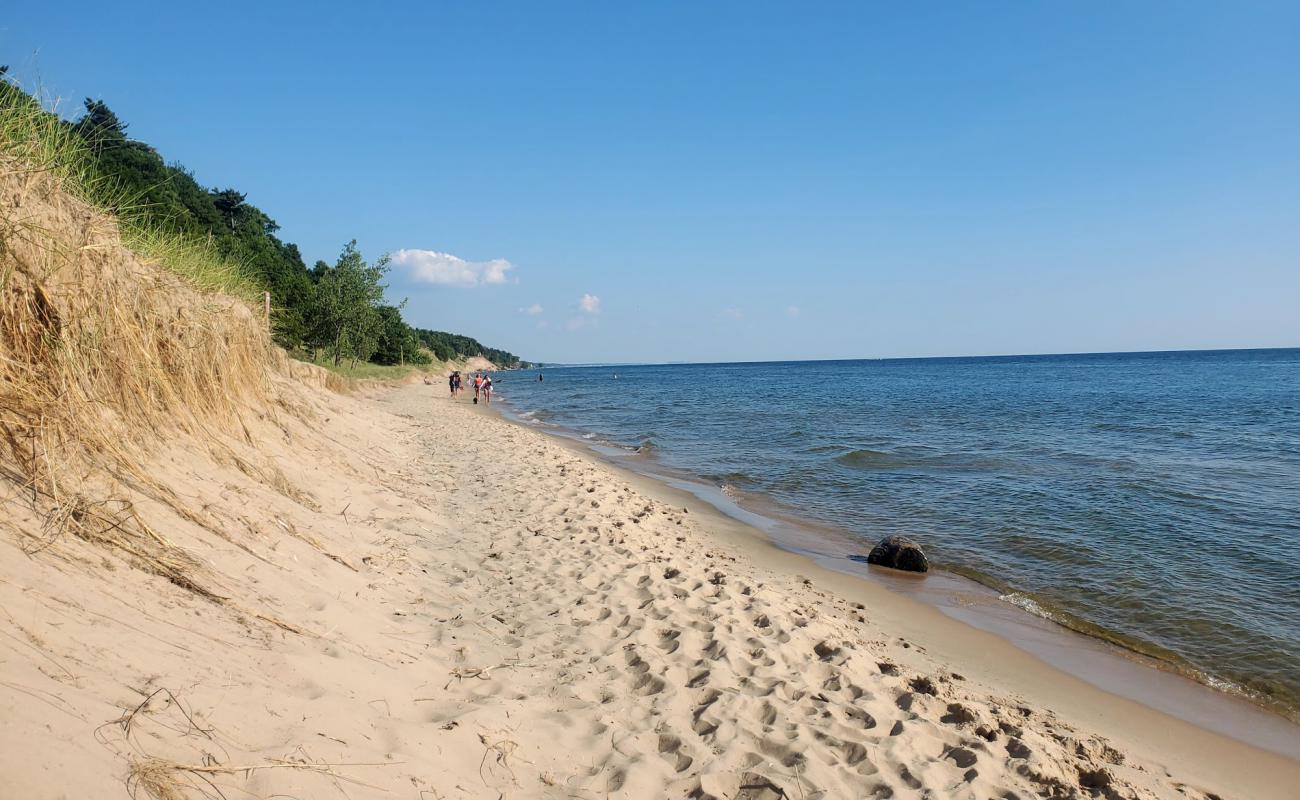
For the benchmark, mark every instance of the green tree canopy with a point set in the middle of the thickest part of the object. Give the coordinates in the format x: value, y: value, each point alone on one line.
x: 100, y: 127
x: 348, y: 298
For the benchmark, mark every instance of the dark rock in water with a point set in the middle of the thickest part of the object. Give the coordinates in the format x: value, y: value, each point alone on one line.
x: 899, y: 552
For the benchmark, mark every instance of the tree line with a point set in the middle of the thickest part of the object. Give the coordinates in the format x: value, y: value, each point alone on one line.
x: 440, y: 343
x: 333, y: 310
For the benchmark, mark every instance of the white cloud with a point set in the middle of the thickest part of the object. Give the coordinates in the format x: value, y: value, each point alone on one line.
x: 733, y: 313
x: 590, y: 303
x: 792, y: 311
x: 444, y: 269
x: 532, y: 310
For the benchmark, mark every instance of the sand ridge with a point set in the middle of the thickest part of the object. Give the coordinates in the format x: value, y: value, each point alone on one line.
x: 487, y: 613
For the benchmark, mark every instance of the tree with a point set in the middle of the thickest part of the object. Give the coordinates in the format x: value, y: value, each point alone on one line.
x: 348, y: 296
x: 99, y: 126
x: 398, y: 343
x: 229, y: 202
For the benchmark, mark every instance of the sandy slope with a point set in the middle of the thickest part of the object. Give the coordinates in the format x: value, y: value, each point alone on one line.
x: 486, y: 612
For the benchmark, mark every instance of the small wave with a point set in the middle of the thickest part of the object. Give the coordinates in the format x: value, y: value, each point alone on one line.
x: 590, y: 436
x: 731, y: 477
x: 866, y: 459
x: 1222, y: 684
x: 1118, y: 427
x: 729, y: 490
x: 536, y: 416
x: 1027, y: 603
x: 823, y: 448
x: 1157, y: 656
x: 1274, y: 698
x: 920, y: 459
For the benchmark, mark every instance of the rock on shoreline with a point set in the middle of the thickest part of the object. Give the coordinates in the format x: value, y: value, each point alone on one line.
x: 899, y: 552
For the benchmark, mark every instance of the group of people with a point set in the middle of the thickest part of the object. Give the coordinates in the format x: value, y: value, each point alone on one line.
x: 482, y: 385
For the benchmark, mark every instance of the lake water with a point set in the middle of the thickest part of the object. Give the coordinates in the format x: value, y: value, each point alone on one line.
x: 1151, y: 499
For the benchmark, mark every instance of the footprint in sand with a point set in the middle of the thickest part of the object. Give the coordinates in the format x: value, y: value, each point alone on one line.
x: 670, y: 747
x: 826, y: 651
x: 958, y: 714
x: 787, y: 756
x: 1017, y: 748
x: 648, y: 685
x: 862, y: 718
x: 854, y: 754
x: 960, y: 756
x: 704, y: 728
x: 908, y: 778
x: 715, y: 650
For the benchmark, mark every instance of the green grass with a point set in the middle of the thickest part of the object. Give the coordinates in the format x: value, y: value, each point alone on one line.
x: 194, y: 260
x: 364, y: 370
x: 38, y: 141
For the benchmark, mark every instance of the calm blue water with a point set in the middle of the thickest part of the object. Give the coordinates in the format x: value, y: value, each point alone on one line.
x: 1152, y: 498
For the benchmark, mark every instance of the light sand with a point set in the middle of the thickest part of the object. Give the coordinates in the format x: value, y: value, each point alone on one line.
x: 488, y: 612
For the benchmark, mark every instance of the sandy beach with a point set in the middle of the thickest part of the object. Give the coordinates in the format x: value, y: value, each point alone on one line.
x: 425, y: 600
x: 757, y: 288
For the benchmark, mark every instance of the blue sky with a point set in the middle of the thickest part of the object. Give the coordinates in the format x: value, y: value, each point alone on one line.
x: 743, y: 181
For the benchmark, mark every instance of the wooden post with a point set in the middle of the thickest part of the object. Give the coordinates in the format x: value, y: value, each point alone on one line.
x: 266, y: 308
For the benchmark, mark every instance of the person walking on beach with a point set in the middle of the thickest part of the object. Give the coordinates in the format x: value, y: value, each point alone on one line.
x: 478, y: 385
x: 451, y: 384
x: 487, y: 389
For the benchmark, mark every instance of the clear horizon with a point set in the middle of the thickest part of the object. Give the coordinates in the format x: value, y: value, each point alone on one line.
x: 743, y: 182
x: 559, y: 364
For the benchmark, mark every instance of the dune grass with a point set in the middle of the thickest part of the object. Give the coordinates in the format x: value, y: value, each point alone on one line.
x: 39, y: 141
x: 194, y: 260
x: 102, y: 352
x: 365, y: 370
x: 36, y: 140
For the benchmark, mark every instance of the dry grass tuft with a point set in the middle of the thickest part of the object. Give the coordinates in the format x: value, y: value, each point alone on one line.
x: 156, y: 779
x: 111, y: 336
